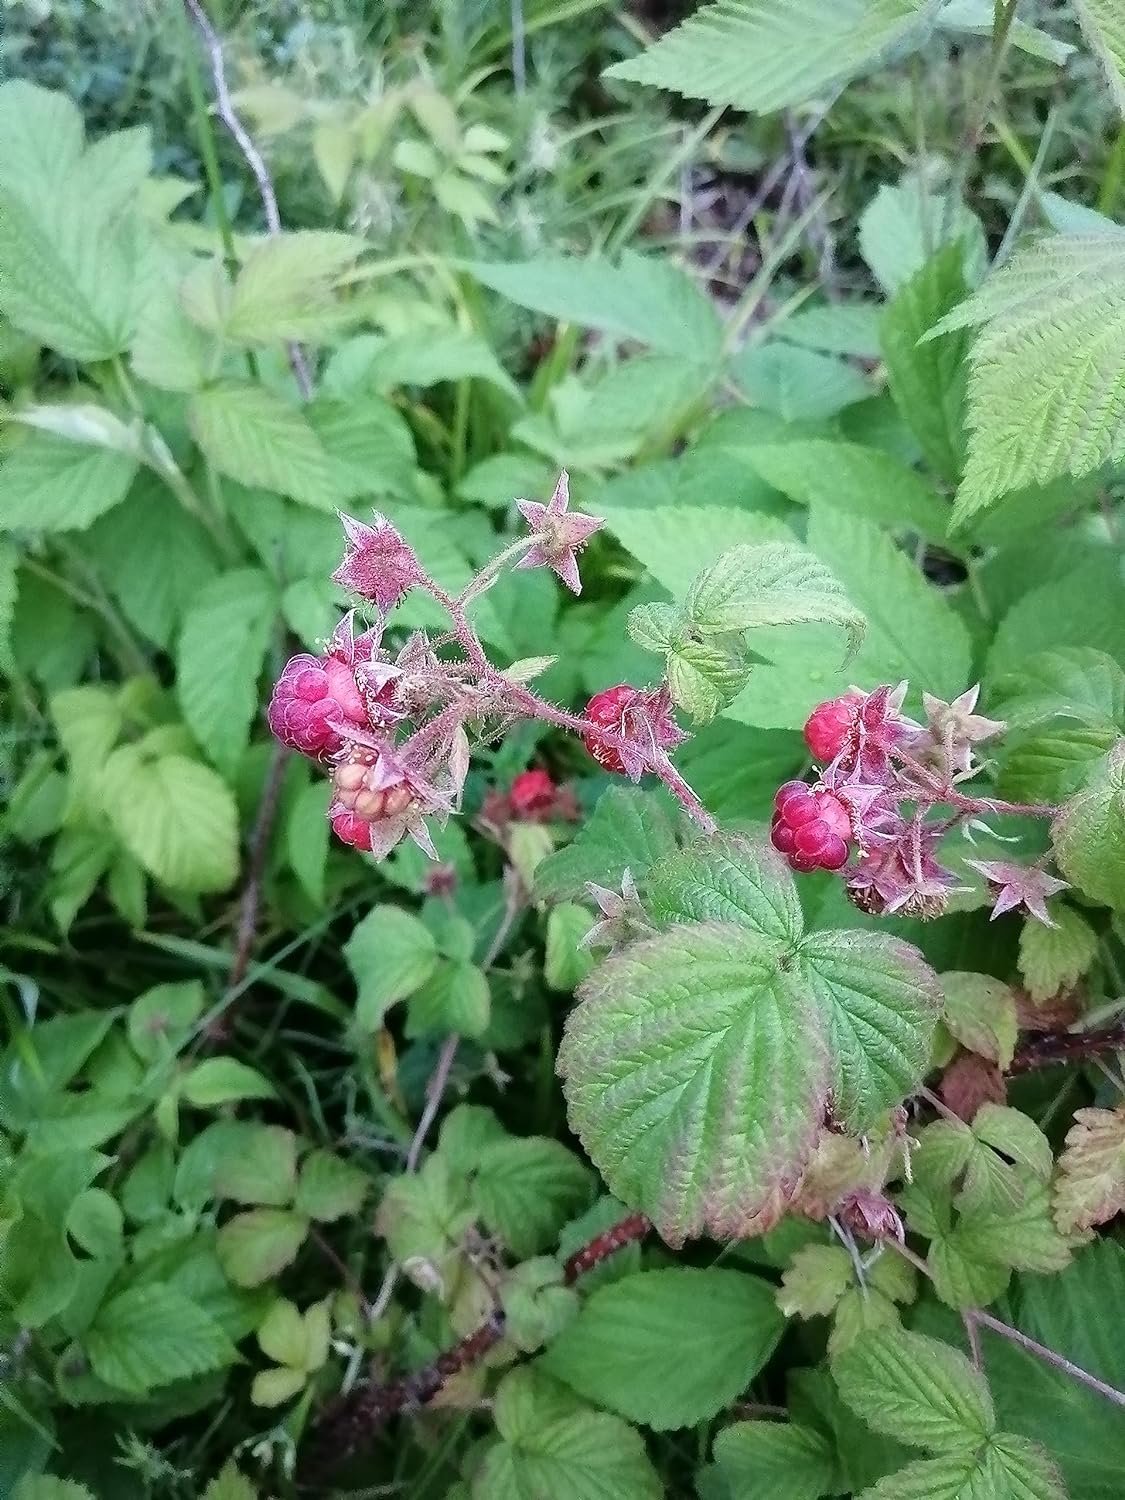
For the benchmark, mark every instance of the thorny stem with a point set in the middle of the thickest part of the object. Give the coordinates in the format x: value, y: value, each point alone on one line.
x: 1050, y: 1047
x: 977, y: 1318
x: 224, y: 105
x: 354, y: 1420
x: 943, y: 792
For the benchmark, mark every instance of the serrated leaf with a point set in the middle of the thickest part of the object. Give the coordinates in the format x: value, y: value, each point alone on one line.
x: 629, y: 830
x: 928, y: 380
x: 176, y: 816
x: 836, y: 328
x: 764, y: 55
x: 695, y: 1070
x: 252, y: 435
x: 1076, y: 606
x: 912, y: 631
x: 961, y: 1277
x: 221, y: 651
x: 727, y: 878
x: 391, y: 954
x: 814, y: 1281
x: 1089, y: 833
x: 96, y: 1222
x: 668, y: 1348
x: 254, y: 1246
x: 147, y: 1336
x: 975, y: 18
x: 1021, y: 1236
x: 554, y: 1447
x: 773, y: 584
x: 774, y: 1461
x: 1090, y: 1187
x: 456, y: 997
x: 50, y: 484
x: 330, y: 1188
x: 915, y: 1389
x: 369, y: 447
x: 1016, y: 1135
x: 224, y: 1080
x: 1052, y: 763
x: 257, y: 1164
x: 1055, y: 958
x: 981, y: 1014
x: 861, y: 481
x: 640, y: 298
x: 1043, y: 403
x: 526, y: 1188
x: 425, y: 1216
x: 704, y: 677
x: 284, y: 288
x: 879, y: 1000
x: 536, y: 1305
x: 1103, y: 26
x: 1074, y: 682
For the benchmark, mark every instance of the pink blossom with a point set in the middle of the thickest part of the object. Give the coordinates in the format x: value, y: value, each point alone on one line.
x: 378, y: 564
x: 560, y: 534
x: 1019, y: 885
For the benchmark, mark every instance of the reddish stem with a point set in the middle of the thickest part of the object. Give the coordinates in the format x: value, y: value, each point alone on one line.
x: 1045, y: 1048
x: 352, y: 1421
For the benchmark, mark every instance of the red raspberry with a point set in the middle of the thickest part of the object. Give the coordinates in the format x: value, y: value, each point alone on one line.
x: 811, y: 828
x: 532, y: 794
x: 312, y: 694
x: 608, y: 709
x: 351, y: 829
x: 829, y: 724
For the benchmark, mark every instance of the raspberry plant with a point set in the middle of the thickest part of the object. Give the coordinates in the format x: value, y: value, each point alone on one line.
x: 417, y: 1082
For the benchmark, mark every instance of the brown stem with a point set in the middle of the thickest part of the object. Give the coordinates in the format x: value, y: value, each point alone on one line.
x: 1043, y: 1049
x: 352, y: 1421
x: 259, y: 849
x: 224, y: 107
x: 1048, y: 1356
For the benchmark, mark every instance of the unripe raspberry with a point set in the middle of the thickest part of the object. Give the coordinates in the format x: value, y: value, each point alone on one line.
x: 811, y: 828
x: 532, y: 793
x: 313, y: 694
x: 829, y: 725
x: 608, y: 709
x: 352, y: 782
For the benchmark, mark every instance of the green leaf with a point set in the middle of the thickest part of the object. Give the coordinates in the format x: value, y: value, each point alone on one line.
x: 961, y: 1277
x: 900, y: 226
x: 1055, y: 958
x: 705, y: 676
x: 284, y: 289
x: 981, y: 1014
x: 765, y: 55
x: 1022, y: 1236
x: 1089, y: 833
x: 161, y: 1019
x: 177, y: 816
x: 976, y: 18
x: 553, y: 1447
x: 47, y: 1487
x: 252, y: 435
x: 727, y: 878
x: 696, y: 1069
x: 369, y: 447
x: 928, y: 380
x: 275, y: 1387
x: 424, y: 1217
x: 912, y: 632
x: 836, y: 328
x: 1073, y: 608
x: 456, y: 997
x: 814, y: 1281
x: 774, y: 1461
x: 96, y: 1222
x: 1044, y: 402
x: 915, y: 1389
x: 42, y: 131
x: 536, y: 1304
x: 1074, y: 682
x: 51, y: 484
x: 306, y: 837
x: 668, y: 1348
x: 224, y: 1080
x: 864, y: 482
x: 444, y: 354
x: 773, y: 584
x: 565, y: 964
x: 1016, y: 1136
x: 1050, y: 765
x: 1103, y: 26
x: 89, y: 720
x: 879, y: 1001
x: 796, y: 383
x: 222, y: 648
x: 148, y: 1336
x: 391, y: 955
x: 230, y: 1485
x: 257, y: 1164
x: 526, y: 1188
x: 329, y: 1188
x: 640, y: 298
x: 254, y: 1246
x: 629, y: 830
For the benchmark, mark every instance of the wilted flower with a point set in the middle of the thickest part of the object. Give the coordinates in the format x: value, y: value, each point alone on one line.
x: 956, y: 728
x: 378, y: 564
x: 1019, y: 885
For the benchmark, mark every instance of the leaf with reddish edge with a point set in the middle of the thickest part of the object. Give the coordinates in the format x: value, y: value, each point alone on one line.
x: 1091, y: 1171
x: 696, y: 1071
